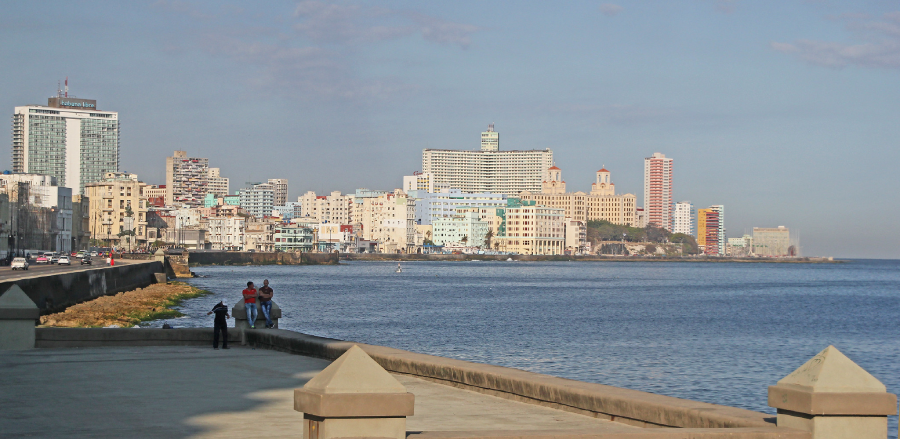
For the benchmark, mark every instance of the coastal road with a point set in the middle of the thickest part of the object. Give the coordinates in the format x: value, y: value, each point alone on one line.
x: 34, y: 270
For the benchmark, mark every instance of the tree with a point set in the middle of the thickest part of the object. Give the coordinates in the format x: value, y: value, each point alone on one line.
x: 465, y: 239
x: 487, y: 238
x: 688, y: 243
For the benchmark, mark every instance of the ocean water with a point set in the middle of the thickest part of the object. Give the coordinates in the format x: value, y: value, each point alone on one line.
x: 719, y: 333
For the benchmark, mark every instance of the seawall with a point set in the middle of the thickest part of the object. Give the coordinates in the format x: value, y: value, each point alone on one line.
x: 261, y: 258
x: 585, y: 258
x: 56, y: 292
x: 612, y: 403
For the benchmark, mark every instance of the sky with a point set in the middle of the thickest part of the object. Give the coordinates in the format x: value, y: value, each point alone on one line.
x: 785, y: 112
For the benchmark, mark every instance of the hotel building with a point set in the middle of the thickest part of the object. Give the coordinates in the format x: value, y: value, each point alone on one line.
x: 658, y: 190
x: 489, y: 169
x: 601, y: 204
x: 69, y: 139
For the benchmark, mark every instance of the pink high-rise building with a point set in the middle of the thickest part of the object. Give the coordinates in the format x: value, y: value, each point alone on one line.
x: 658, y: 190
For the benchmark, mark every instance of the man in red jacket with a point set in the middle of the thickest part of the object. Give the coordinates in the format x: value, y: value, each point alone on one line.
x: 250, y: 295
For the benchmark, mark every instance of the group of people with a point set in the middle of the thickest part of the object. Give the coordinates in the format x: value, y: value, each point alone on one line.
x: 251, y: 296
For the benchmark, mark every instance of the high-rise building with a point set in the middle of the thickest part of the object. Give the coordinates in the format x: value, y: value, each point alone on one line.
x: 683, y: 218
x: 658, y: 190
x: 420, y: 182
x: 601, y: 204
x: 711, y: 230
x: 488, y: 170
x: 281, y: 190
x: 187, y: 179
x: 216, y: 184
x: 258, y: 199
x: 69, y: 139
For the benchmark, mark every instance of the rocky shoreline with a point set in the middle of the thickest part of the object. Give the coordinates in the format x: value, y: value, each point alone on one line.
x: 126, y: 309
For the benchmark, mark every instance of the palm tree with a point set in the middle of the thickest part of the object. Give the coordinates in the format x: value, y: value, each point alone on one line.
x: 487, y: 238
x: 465, y: 239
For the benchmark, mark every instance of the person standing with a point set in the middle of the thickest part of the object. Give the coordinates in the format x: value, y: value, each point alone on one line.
x: 265, y: 302
x: 220, y: 324
x: 250, y: 295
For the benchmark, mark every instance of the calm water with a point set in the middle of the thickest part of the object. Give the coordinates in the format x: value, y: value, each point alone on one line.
x: 719, y: 333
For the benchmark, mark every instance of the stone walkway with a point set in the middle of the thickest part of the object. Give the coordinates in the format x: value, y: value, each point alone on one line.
x: 171, y: 392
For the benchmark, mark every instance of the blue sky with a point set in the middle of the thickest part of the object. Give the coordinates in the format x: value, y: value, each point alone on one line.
x: 784, y: 111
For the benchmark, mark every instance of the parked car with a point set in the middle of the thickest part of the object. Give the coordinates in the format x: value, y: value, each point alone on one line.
x: 54, y: 258
x: 19, y: 263
x: 42, y: 259
x: 64, y: 260
x: 86, y: 260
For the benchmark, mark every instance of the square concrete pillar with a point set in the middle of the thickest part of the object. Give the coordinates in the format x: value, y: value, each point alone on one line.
x: 831, y: 397
x: 354, y: 397
x: 239, y: 312
x: 17, y: 317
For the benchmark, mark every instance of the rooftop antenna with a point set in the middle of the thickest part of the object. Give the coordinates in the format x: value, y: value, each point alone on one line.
x: 67, y: 86
x: 491, y: 127
x: 58, y: 89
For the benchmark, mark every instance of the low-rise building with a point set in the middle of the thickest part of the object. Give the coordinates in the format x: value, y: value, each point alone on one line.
x: 534, y: 230
x: 294, y: 237
x: 259, y: 234
x: 227, y: 232
x: 117, y: 197
x: 465, y: 227
x: 773, y: 242
x: 41, y: 211
x: 576, y: 236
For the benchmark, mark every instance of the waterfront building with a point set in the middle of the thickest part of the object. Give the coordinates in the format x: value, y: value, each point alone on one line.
x: 576, y: 236
x: 117, y: 205
x: 227, y: 232
x: 658, y: 190
x: 683, y: 218
x: 293, y: 237
x: 187, y: 179
x: 258, y: 199
x: 601, y: 204
x: 259, y: 234
x: 773, y: 242
x: 443, y: 204
x: 711, y: 230
x: 488, y: 170
x: 464, y: 227
x: 216, y: 184
x: 739, y: 247
x: 39, y: 213
x: 69, y: 139
x: 534, y: 230
x: 281, y: 190
x: 390, y: 220
x: 356, y: 209
x: 334, y: 208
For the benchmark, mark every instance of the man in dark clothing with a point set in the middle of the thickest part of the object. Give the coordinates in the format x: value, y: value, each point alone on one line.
x: 265, y: 302
x: 220, y: 325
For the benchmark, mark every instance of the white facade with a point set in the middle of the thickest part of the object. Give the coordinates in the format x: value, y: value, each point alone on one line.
x: 489, y: 169
x: 226, y: 233
x: 68, y: 139
x: 466, y: 225
x: 258, y: 200
x: 658, y: 190
x: 421, y: 181
x: 683, y: 218
x: 576, y: 235
x: 42, y: 193
x: 443, y: 204
x: 390, y: 220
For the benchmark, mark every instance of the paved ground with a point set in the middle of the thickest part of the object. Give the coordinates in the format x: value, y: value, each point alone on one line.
x: 34, y: 270
x: 171, y: 392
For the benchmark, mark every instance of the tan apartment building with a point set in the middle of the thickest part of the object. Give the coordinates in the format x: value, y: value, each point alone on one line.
x: 334, y: 208
x: 534, y: 230
x: 110, y: 201
x: 601, y: 204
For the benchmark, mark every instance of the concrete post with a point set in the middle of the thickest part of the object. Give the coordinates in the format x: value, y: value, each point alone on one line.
x: 160, y: 256
x: 240, y: 317
x: 17, y: 315
x: 354, y: 397
x: 831, y: 397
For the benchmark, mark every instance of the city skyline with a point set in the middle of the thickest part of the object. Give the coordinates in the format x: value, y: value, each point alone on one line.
x: 780, y: 119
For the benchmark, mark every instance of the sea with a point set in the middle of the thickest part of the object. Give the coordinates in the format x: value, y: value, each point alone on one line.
x: 714, y: 332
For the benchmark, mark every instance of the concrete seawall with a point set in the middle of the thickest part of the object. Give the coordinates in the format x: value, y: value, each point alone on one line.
x: 56, y: 292
x: 261, y: 258
x: 586, y: 258
x: 606, y: 402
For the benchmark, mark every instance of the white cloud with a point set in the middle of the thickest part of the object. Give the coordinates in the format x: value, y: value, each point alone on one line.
x: 880, y: 47
x: 610, y: 9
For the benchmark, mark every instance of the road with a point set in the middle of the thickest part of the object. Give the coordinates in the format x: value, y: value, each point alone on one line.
x: 8, y: 274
